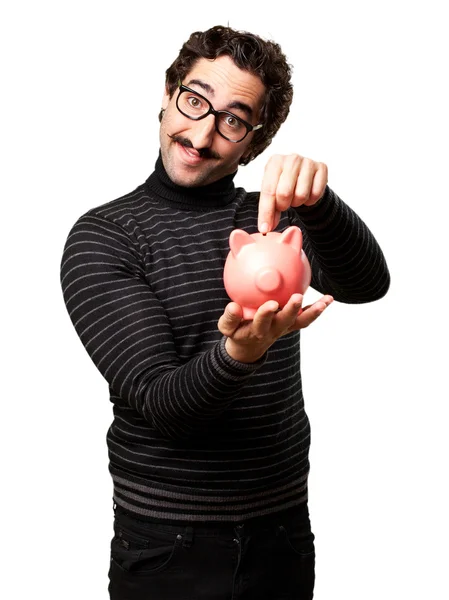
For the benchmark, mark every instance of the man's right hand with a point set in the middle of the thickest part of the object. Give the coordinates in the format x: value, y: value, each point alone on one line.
x: 249, y: 340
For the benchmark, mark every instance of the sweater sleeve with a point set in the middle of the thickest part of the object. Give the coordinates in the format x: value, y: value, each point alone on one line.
x: 126, y: 332
x: 346, y: 260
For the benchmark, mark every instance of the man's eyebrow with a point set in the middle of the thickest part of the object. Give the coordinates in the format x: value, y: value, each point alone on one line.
x: 241, y: 106
x: 232, y: 105
x: 205, y: 86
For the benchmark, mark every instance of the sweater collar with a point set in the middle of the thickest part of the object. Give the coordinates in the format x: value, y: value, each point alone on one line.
x: 213, y: 195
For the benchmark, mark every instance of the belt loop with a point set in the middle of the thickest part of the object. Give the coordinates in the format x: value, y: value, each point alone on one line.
x: 188, y: 537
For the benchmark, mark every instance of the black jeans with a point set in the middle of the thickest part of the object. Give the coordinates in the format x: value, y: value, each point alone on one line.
x: 269, y: 558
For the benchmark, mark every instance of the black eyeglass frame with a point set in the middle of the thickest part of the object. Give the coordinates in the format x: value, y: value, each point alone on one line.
x: 216, y: 113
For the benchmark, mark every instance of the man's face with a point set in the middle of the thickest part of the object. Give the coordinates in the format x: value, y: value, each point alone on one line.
x: 193, y: 152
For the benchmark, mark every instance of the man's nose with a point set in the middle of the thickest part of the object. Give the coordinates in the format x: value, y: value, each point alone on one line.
x: 202, y: 132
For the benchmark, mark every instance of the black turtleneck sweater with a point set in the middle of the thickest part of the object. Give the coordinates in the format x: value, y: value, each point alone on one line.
x: 197, y: 435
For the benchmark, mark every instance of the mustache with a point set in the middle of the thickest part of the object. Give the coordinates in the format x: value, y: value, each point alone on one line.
x: 203, y: 152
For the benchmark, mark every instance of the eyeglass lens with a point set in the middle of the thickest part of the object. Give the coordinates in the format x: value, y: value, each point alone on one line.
x: 194, y: 106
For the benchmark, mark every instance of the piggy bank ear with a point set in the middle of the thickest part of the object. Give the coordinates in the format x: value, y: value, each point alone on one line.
x: 238, y: 239
x: 293, y: 237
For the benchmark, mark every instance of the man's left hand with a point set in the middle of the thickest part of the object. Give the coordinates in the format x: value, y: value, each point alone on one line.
x: 289, y: 180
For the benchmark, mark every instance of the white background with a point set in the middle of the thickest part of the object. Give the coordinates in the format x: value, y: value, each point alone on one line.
x: 82, y: 84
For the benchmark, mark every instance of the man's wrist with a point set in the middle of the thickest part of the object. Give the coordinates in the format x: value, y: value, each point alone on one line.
x: 243, y: 355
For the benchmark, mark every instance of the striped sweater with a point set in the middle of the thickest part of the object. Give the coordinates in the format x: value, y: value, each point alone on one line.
x: 196, y: 435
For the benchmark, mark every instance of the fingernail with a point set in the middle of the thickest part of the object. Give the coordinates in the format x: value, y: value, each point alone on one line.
x: 264, y: 228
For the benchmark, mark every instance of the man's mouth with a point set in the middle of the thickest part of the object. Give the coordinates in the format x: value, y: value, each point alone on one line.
x: 193, y: 152
x: 189, y: 155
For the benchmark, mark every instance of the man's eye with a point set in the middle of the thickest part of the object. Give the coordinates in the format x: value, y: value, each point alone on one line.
x: 232, y: 122
x: 194, y: 102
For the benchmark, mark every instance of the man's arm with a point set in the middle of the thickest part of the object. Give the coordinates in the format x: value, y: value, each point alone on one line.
x: 346, y: 260
x: 126, y: 332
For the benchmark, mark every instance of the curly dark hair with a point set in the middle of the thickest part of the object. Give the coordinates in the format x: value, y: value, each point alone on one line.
x: 253, y: 54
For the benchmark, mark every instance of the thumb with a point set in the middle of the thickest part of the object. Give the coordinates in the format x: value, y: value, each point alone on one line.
x: 230, y: 319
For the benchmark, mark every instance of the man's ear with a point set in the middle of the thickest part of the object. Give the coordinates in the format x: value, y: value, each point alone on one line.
x: 164, y: 104
x: 165, y: 99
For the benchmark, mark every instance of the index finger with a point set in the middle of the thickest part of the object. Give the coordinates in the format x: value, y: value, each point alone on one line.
x: 268, y: 216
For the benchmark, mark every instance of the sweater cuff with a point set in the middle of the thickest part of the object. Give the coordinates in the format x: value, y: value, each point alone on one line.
x: 235, y: 366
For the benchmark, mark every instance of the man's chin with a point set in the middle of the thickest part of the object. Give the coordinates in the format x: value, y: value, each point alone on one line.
x: 190, y: 179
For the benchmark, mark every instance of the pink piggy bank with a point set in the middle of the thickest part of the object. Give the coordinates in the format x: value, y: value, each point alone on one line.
x: 265, y: 267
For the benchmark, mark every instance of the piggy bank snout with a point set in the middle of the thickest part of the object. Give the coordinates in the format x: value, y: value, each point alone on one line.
x: 268, y: 279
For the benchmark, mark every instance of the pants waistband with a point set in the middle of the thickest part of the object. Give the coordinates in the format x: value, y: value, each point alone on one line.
x: 299, y: 513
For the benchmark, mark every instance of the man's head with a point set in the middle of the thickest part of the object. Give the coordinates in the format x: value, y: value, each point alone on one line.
x: 231, y: 71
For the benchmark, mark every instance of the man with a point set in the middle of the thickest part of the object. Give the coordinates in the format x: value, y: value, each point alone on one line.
x: 209, y: 444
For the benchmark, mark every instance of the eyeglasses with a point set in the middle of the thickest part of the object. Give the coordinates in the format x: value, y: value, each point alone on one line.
x: 195, y: 106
